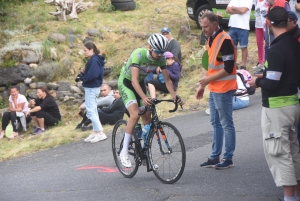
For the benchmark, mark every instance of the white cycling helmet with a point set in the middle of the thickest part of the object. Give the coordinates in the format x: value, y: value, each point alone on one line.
x: 158, y: 42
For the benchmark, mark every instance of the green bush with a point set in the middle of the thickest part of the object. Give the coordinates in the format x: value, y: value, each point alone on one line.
x: 47, y: 44
x: 106, y: 6
x: 6, y: 3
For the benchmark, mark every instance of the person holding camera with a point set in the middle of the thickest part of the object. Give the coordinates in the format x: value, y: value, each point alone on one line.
x: 92, y: 80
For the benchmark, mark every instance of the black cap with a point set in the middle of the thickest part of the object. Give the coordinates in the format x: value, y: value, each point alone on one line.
x: 278, y: 15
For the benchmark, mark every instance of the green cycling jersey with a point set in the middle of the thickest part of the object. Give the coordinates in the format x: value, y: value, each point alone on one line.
x: 141, y: 59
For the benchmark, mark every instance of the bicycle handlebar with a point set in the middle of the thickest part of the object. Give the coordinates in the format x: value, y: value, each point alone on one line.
x: 156, y: 101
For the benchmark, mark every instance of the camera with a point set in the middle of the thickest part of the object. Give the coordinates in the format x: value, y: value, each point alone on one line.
x: 80, y: 74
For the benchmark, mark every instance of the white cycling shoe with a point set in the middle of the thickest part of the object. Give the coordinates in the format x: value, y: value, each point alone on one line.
x: 125, y: 160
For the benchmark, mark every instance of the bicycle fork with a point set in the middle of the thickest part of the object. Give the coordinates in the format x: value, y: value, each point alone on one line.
x: 164, y: 137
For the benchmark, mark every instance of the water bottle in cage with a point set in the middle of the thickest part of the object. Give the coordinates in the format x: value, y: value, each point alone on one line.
x: 145, y: 133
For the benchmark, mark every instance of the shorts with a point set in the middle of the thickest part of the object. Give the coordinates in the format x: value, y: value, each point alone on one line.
x: 128, y: 93
x: 281, y: 146
x: 239, y: 36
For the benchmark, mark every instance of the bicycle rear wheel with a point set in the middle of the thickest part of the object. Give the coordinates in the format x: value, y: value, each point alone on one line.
x: 167, y: 153
x: 117, y: 145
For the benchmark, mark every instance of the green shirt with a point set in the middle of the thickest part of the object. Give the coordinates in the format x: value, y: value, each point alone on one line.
x: 141, y: 59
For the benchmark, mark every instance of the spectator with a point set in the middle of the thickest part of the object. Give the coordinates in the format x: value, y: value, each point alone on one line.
x: 173, y: 46
x: 105, y: 99
x: 92, y: 80
x: 174, y: 70
x: 293, y: 28
x: 108, y: 115
x: 18, y: 106
x: 269, y: 37
x: 280, y: 111
x: 240, y: 11
x: 241, y: 97
x: 295, y: 7
x: 292, y: 25
x: 222, y: 84
x: 261, y: 8
x: 44, y: 111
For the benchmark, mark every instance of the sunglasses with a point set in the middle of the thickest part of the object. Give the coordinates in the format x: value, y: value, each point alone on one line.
x: 169, y: 58
x: 159, y: 51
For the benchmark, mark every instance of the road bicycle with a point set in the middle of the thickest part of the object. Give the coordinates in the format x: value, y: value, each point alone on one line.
x: 162, y: 152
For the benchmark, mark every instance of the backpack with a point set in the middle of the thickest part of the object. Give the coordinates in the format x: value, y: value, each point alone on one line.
x: 250, y: 89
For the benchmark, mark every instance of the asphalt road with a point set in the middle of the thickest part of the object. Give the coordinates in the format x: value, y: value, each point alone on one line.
x: 84, y: 171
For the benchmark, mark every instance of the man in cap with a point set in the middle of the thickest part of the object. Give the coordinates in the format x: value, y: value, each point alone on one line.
x: 280, y: 112
x: 295, y: 7
x: 173, y: 46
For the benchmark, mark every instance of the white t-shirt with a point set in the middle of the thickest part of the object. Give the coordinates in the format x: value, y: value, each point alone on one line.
x: 21, y: 99
x: 292, y: 5
x: 261, y: 9
x: 240, y: 21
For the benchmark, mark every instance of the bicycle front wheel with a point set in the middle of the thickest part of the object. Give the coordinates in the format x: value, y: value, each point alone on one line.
x: 167, y: 153
x: 117, y: 145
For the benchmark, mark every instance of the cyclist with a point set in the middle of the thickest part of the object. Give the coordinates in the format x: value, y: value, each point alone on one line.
x: 132, y: 85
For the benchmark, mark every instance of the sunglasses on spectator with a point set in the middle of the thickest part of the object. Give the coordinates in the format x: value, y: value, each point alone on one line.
x: 169, y: 58
x: 165, y: 33
x: 159, y: 51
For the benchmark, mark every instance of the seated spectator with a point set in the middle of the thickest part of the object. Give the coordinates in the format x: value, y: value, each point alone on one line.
x: 44, y: 111
x: 174, y: 70
x: 241, y: 98
x: 18, y: 106
x: 108, y: 115
x: 106, y: 99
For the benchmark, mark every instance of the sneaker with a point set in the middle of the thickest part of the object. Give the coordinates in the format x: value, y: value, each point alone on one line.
x: 35, y: 130
x: 210, y: 163
x: 2, y: 134
x: 86, y: 128
x: 40, y: 131
x: 98, y: 137
x: 225, y: 163
x: 90, y: 137
x: 78, y: 126
x: 125, y: 160
x: 258, y: 67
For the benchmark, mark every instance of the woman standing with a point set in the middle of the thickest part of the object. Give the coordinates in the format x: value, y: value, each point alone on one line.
x: 44, y: 111
x: 18, y: 105
x: 174, y: 71
x: 92, y: 80
x: 261, y: 9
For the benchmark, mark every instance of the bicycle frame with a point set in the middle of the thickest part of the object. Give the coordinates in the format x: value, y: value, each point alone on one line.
x: 155, y: 126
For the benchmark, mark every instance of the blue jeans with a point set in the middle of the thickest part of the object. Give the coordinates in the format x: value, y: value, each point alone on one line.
x: 221, y: 119
x: 239, y: 104
x: 91, y: 107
